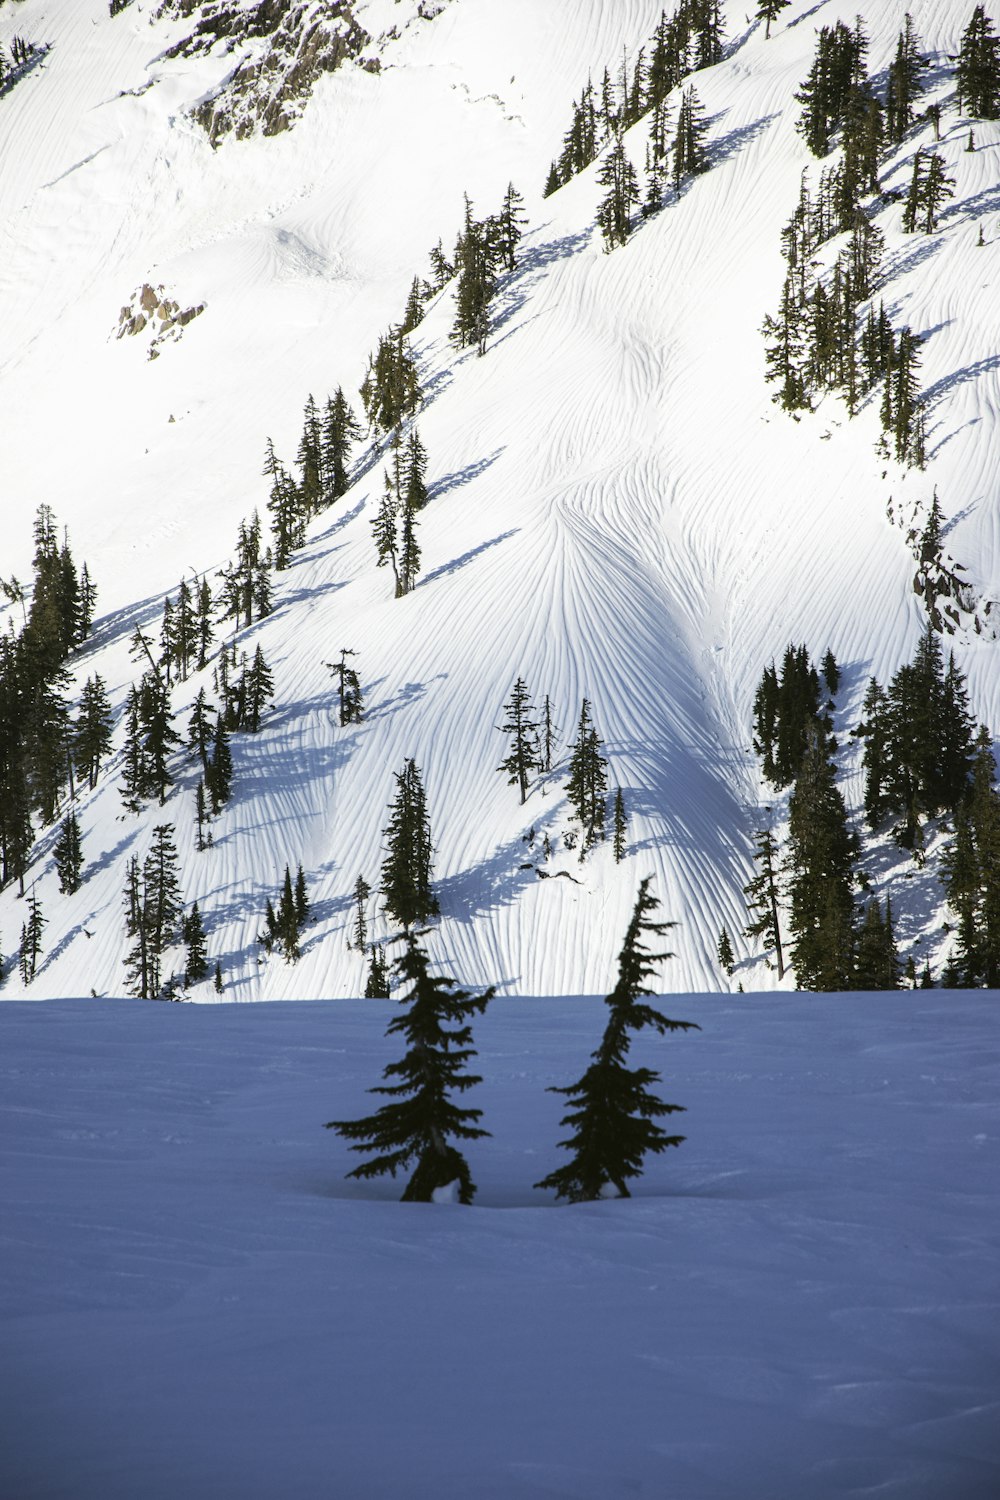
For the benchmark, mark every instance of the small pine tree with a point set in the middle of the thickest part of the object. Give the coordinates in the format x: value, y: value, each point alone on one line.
x: 620, y: 824
x: 522, y: 728
x: 193, y: 932
x: 614, y: 1113
x: 727, y: 961
x: 587, y: 783
x: 406, y: 872
x: 377, y: 987
x: 421, y: 1119
x: 302, y: 903
x: 218, y: 979
x: 68, y: 855
x: 31, y: 939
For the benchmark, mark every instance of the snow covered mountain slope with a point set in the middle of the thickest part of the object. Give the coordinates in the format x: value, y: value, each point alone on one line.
x: 618, y: 510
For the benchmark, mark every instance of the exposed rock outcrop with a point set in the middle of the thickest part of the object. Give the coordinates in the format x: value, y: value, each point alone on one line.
x: 151, y: 309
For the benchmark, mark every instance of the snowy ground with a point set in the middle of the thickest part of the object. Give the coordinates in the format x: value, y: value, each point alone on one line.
x: 801, y: 1303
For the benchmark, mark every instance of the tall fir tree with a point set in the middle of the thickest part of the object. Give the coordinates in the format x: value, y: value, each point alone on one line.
x: 406, y: 872
x: 68, y: 855
x: 522, y: 728
x: 587, y: 784
x: 421, y: 1120
x: 614, y: 1114
x: 820, y: 867
x: 762, y: 897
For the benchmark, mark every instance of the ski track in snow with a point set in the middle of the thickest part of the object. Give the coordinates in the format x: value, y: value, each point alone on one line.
x: 618, y: 512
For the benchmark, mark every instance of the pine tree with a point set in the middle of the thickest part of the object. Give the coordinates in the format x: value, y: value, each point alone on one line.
x: 201, y: 728
x: 727, y: 960
x: 762, y: 897
x: 303, y: 905
x: 421, y: 1119
x: 31, y: 939
x: 193, y: 932
x: 414, y: 472
x: 351, y: 704
x: 341, y: 431
x: 377, y: 987
x: 218, y: 979
x: 219, y: 776
x: 259, y: 687
x: 511, y: 226
x: 768, y: 11
x: 614, y: 213
x: 972, y: 874
x: 819, y: 864
x: 977, y: 74
x: 614, y: 1113
x: 391, y: 389
x: 587, y: 783
x: 690, y: 156
x: 309, y: 459
x: 362, y: 891
x: 406, y: 872
x: 163, y: 902
x: 385, y: 532
x: 620, y: 824
x: 477, y: 284
x: 550, y: 731
x: 68, y: 855
x: 201, y: 817
x: 876, y: 960
x: 904, y: 82
x: 288, y: 925
x: 522, y: 758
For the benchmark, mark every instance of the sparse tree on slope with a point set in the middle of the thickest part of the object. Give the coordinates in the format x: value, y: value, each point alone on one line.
x: 406, y: 872
x: 614, y: 1113
x: 523, y: 730
x: 421, y: 1119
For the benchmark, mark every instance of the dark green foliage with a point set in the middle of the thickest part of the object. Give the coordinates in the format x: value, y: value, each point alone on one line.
x: 219, y: 774
x: 875, y: 730
x: 201, y: 728
x: 477, y: 258
x: 768, y: 11
x: 972, y: 874
x: 614, y: 213
x: 831, y: 672
x: 377, y: 986
x: 727, y: 960
x: 904, y: 82
x: 549, y: 735
x: 785, y: 709
x: 930, y: 187
x: 522, y: 728
x: 876, y: 964
x: 255, y: 694
x: 614, y: 1112
x: 68, y: 855
x: 819, y: 865
x: 309, y: 460
x: 406, y: 872
x: 351, y: 704
x: 245, y: 594
x: 341, y: 431
x: 619, y: 825
x: 838, y: 67
x: 31, y: 939
x: 153, y: 907
x: 421, y: 1119
x: 193, y: 933
x: 394, y: 529
x: 283, y: 928
x: 977, y: 74
x: 391, y: 389
x: 362, y: 891
x: 587, y: 783
x: 689, y: 155
x: 202, y: 817
x: 303, y: 906
x: 288, y: 518
x: 762, y: 897
x: 217, y: 981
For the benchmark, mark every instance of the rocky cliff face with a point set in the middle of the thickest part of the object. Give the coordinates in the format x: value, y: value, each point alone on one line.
x: 280, y: 48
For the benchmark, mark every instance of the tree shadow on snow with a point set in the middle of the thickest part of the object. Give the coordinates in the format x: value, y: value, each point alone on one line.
x: 462, y: 476
x: 460, y: 562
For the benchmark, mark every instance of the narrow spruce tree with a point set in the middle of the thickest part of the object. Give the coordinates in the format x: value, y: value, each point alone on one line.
x: 727, y: 960
x: 421, y: 1120
x: 362, y: 891
x: 620, y: 823
x: 68, y: 855
x: 349, y: 696
x: 92, y: 729
x: 193, y: 932
x: 587, y: 783
x: 614, y: 213
x: 522, y: 727
x: 406, y: 872
x: 31, y: 939
x: 614, y: 1112
x: 762, y: 897
x: 377, y: 987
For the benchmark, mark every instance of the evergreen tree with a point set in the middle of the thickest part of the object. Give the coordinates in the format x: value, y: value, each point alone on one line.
x: 288, y: 924
x: 193, y: 931
x: 68, y: 855
x: 406, y: 872
x: 302, y: 903
x: 550, y: 731
x: 421, y: 1119
x: 977, y: 74
x: 904, y: 82
x: 219, y: 776
x: 768, y: 11
x: 614, y: 213
x: 218, y: 979
x: 876, y: 960
x: 31, y: 939
x: 477, y: 284
x: 204, y: 633
x: 820, y: 860
x: 92, y: 729
x: 385, y: 532
x: 163, y: 902
x: 522, y: 758
x: 587, y: 783
x: 257, y: 696
x: 409, y: 548
x: 201, y: 729
x: 349, y: 697
x: 202, y: 817
x: 377, y: 987
x: 690, y: 156
x: 309, y: 459
x: 362, y: 891
x: 614, y: 1113
x: 972, y: 874
x: 414, y: 486
x: 511, y: 226
x: 762, y: 897
x: 391, y: 389
x: 341, y: 431
x: 288, y: 513
x: 831, y: 672
x: 620, y: 824
x: 838, y: 67
x: 727, y: 960
x: 875, y: 730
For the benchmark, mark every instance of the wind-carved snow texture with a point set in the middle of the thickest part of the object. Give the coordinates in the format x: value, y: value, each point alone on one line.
x: 618, y: 509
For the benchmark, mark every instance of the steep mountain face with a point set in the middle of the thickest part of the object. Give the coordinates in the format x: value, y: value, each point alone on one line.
x: 618, y: 511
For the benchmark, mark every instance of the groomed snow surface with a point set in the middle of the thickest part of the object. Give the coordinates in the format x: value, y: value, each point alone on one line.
x: 802, y: 1302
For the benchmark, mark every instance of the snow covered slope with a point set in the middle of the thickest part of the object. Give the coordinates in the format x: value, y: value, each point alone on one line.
x: 618, y: 510
x: 801, y: 1301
